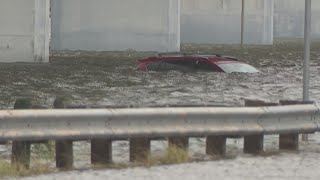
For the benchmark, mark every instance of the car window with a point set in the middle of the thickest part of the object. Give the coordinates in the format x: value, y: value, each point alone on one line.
x: 180, y: 65
x: 187, y: 63
x: 237, y: 67
x: 164, y: 66
x: 204, y: 66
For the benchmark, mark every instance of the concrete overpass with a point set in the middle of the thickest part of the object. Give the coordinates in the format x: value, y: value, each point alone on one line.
x: 28, y: 27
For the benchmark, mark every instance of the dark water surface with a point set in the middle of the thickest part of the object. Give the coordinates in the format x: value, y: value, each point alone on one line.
x: 110, y: 78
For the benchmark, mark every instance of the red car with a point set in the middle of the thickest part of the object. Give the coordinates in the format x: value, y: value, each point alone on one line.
x: 197, y: 62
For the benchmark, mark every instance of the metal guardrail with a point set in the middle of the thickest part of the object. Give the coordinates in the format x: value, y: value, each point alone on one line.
x: 81, y: 124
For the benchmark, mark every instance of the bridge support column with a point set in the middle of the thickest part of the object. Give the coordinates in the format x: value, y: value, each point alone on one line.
x: 42, y: 30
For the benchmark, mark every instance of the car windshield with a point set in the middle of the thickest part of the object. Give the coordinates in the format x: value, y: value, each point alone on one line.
x: 237, y: 67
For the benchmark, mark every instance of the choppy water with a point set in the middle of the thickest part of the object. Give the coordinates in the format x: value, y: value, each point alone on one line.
x: 110, y: 78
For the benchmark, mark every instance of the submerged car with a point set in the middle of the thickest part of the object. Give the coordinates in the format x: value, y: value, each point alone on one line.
x: 195, y: 62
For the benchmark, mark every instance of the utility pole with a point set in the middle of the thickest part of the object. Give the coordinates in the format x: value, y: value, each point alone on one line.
x: 306, y: 63
x: 242, y: 22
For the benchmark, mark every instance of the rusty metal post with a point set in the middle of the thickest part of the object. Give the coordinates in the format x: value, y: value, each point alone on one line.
x: 64, y: 148
x: 216, y: 145
x: 101, y: 151
x: 21, y: 149
x: 180, y: 142
x: 289, y: 141
x: 139, y: 149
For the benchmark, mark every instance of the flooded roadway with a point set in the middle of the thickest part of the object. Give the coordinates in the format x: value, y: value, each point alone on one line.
x: 110, y: 78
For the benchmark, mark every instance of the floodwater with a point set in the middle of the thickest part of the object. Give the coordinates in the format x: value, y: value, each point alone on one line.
x: 111, y: 79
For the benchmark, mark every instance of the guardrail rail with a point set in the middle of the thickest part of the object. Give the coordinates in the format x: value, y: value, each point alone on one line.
x: 25, y: 126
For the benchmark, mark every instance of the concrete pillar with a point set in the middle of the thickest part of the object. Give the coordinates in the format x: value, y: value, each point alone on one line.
x: 139, y: 149
x: 216, y: 145
x: 21, y: 149
x: 268, y: 21
x: 42, y: 30
x: 174, y: 25
x: 101, y: 151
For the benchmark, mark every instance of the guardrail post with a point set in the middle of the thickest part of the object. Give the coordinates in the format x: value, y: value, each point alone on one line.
x: 139, y: 149
x: 64, y: 148
x: 64, y: 154
x: 101, y: 151
x: 289, y: 141
x: 21, y: 149
x: 179, y: 142
x: 216, y: 145
x: 292, y: 102
x: 3, y: 142
x: 253, y: 144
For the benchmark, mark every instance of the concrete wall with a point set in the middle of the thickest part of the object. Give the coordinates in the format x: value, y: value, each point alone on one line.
x: 42, y: 30
x: 17, y: 31
x: 219, y: 21
x: 107, y: 25
x: 289, y: 18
